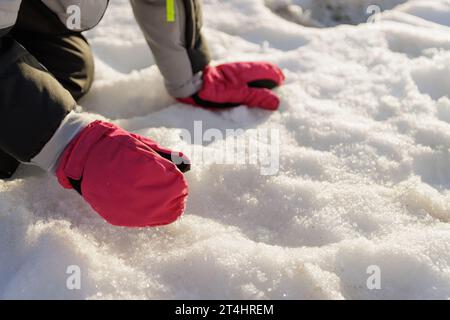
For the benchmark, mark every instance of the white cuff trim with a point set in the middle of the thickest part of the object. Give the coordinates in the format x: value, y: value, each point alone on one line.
x: 72, y: 124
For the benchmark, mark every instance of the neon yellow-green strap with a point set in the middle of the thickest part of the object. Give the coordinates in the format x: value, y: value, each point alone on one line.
x: 170, y: 10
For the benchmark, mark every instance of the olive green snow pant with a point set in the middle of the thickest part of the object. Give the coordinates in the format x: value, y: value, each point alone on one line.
x: 38, y: 39
x: 45, y: 68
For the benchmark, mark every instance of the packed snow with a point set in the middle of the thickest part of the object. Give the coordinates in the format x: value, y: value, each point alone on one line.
x: 363, y: 179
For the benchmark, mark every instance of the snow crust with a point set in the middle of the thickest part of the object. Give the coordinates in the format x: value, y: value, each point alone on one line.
x: 364, y: 176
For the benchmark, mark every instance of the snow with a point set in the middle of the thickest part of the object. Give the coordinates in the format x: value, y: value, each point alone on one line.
x: 364, y: 176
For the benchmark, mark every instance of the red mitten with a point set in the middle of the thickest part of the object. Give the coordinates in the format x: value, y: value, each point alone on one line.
x: 128, y: 179
x: 234, y: 84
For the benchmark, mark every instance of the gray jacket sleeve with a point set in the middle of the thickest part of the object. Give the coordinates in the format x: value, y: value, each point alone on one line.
x: 8, y: 14
x: 179, y: 48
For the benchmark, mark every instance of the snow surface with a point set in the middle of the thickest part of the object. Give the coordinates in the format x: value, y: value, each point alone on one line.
x: 364, y: 171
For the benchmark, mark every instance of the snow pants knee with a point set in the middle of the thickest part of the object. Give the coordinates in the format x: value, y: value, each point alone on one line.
x: 44, y: 69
